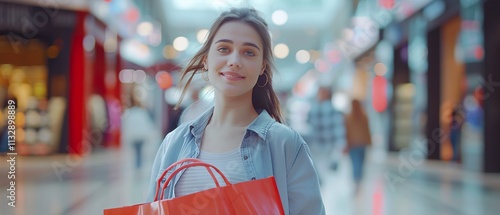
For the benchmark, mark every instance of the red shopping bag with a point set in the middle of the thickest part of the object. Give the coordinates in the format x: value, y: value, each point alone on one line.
x: 245, y: 198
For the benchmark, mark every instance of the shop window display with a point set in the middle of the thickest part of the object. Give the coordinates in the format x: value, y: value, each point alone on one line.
x: 37, y: 132
x: 35, y: 114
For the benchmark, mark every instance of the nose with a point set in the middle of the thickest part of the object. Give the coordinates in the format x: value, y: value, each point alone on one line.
x: 234, y: 60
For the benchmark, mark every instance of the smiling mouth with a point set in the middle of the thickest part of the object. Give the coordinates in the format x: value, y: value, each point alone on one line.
x: 232, y: 76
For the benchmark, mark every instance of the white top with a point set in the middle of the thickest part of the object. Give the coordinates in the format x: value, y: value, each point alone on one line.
x: 196, y: 179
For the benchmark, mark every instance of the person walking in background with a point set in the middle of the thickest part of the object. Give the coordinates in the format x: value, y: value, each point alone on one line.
x: 358, y: 138
x: 137, y: 129
x: 242, y: 134
x: 457, y: 120
x: 327, y: 125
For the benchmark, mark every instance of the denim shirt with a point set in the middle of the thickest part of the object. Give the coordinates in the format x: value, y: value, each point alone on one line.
x: 268, y: 149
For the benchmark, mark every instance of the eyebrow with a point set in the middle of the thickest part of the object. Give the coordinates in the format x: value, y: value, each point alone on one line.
x: 230, y: 41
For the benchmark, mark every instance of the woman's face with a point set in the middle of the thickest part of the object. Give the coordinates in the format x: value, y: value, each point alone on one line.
x: 235, y: 59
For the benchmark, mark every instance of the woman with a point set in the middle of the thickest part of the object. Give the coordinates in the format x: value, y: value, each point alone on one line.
x: 358, y: 137
x: 242, y: 134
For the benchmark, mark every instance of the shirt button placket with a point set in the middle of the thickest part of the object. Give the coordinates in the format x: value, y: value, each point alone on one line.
x: 246, y: 158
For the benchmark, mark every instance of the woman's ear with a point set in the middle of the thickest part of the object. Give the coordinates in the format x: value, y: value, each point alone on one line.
x: 204, y: 63
x: 263, y: 68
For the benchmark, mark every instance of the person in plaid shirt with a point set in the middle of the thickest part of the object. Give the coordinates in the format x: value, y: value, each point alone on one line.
x: 327, y: 126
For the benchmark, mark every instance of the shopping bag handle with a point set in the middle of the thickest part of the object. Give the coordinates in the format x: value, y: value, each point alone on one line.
x: 179, y: 162
x: 158, y: 182
x: 196, y: 162
x: 206, y: 165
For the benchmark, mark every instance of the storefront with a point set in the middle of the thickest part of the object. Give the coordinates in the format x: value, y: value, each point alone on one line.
x: 455, y: 115
x: 34, y: 64
x: 440, y: 83
x: 61, y: 86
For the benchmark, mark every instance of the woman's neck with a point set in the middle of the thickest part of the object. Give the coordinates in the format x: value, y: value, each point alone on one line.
x: 232, y: 112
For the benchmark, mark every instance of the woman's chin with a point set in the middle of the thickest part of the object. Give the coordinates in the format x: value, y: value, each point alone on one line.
x: 233, y: 91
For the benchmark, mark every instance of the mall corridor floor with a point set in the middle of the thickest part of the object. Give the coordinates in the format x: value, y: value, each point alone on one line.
x: 65, y: 184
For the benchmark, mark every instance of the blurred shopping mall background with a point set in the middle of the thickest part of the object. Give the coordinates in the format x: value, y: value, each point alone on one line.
x: 426, y: 71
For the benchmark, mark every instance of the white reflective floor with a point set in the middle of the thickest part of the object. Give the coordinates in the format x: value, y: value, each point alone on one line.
x: 65, y: 184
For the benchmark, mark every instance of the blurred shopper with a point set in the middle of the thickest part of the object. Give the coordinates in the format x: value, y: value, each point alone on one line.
x: 242, y: 134
x: 328, y: 133
x: 358, y: 138
x: 457, y: 120
x: 138, y: 129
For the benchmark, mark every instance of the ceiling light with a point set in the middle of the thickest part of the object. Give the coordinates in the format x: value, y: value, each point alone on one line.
x: 201, y: 36
x: 181, y: 43
x: 145, y: 29
x: 281, y: 50
x: 136, y: 52
x: 126, y: 76
x: 139, y: 76
x: 279, y: 17
x: 169, y: 52
x: 302, y: 56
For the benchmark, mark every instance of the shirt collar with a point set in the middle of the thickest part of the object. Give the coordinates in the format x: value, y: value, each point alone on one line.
x: 197, y: 126
x: 260, y: 125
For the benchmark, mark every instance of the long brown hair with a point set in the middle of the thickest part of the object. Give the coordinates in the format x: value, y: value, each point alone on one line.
x: 262, y: 97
